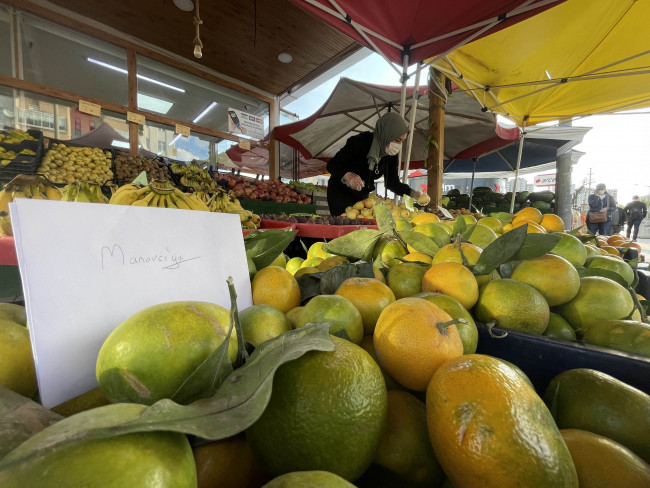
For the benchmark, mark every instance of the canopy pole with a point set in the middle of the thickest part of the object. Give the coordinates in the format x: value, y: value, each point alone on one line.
x: 435, y: 149
x: 414, y: 110
x: 402, y: 102
x: 471, y: 185
x: 521, y: 150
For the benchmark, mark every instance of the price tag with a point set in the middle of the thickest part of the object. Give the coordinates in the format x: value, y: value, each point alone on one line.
x: 445, y: 212
x: 244, y: 144
x: 90, y: 108
x: 408, y: 201
x: 137, y: 118
x: 183, y: 130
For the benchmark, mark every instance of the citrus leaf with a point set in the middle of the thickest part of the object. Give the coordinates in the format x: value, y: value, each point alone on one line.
x: 467, y: 233
x: 459, y: 226
x: 506, y: 269
x: 236, y: 405
x: 605, y: 273
x: 356, y: 245
x: 536, y: 245
x: 21, y: 419
x: 309, y: 284
x: 267, y: 245
x: 419, y: 242
x: 385, y: 220
x: 333, y: 277
x: 500, y: 251
x: 503, y: 217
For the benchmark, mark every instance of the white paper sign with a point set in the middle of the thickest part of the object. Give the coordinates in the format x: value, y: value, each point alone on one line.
x: 87, y: 267
x: 244, y: 123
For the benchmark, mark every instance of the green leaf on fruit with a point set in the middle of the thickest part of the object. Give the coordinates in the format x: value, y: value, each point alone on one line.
x: 460, y: 226
x: 467, y: 233
x: 536, y: 245
x: 356, y: 245
x: 236, y: 405
x: 264, y: 247
x: 500, y: 251
x: 333, y: 277
x: 605, y: 273
x: 309, y: 286
x: 385, y: 220
x: 419, y: 242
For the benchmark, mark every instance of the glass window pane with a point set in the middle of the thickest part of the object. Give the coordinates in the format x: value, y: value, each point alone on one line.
x: 163, y: 141
x: 6, y: 53
x: 61, y: 58
x: 182, y: 96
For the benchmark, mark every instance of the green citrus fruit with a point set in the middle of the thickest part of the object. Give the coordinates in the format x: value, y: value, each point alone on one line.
x: 611, y: 263
x: 450, y: 253
x: 468, y: 332
x: 405, y: 280
x: 482, y: 236
x: 513, y: 305
x: 436, y: 231
x: 329, y: 263
x: 281, y: 261
x: 17, y: 370
x: 385, y: 252
x: 262, y: 322
x: 292, y: 316
x: 312, y: 262
x: 338, y: 311
x: 370, y: 296
x: 553, y: 276
x: 405, y: 448
x: 327, y: 412
x: 598, y: 299
x: 294, y: 265
x: 316, y: 251
x: 492, y: 223
x: 149, y: 355
x: 571, y: 249
x: 308, y: 479
x: 559, y: 328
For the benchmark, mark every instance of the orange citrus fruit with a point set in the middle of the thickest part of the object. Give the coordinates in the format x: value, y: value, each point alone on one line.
x: 528, y: 213
x: 553, y: 276
x: 405, y: 280
x: 533, y: 228
x: 418, y: 257
x: 552, y: 222
x: 513, y: 305
x: 339, y: 311
x: 611, y: 263
x: 616, y: 240
x: 304, y: 271
x: 412, y: 340
x: 610, y: 250
x: 437, y: 232
x: 425, y: 218
x: 329, y: 263
x: 327, y: 412
x: 275, y: 286
x: 450, y: 253
x: 452, y: 279
x: 370, y: 296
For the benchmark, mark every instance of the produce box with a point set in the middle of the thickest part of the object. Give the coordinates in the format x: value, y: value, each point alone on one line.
x: 542, y: 358
x: 265, y: 207
x: 21, y: 163
x: 320, y: 199
x: 328, y: 231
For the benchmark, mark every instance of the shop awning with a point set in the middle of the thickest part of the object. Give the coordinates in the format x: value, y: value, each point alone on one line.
x: 580, y: 58
x: 354, y: 107
x: 421, y: 29
x: 256, y: 160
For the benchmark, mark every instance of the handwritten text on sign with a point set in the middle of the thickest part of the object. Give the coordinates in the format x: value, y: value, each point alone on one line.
x: 87, y: 107
x: 109, y: 262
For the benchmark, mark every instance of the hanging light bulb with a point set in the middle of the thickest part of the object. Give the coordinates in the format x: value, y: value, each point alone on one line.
x: 198, y: 45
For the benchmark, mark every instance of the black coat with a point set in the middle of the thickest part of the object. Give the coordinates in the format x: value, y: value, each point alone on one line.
x: 353, y: 157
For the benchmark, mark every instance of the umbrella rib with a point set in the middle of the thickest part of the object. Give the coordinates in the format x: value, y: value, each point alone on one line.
x: 507, y: 162
x: 338, y: 138
x: 345, y: 111
x: 360, y: 121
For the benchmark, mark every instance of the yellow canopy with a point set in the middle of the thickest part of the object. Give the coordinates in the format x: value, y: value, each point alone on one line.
x: 579, y: 58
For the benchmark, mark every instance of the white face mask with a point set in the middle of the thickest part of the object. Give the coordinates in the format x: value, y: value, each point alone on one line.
x: 393, y: 148
x: 601, y: 192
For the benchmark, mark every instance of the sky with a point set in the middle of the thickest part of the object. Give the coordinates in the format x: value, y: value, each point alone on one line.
x: 617, y: 149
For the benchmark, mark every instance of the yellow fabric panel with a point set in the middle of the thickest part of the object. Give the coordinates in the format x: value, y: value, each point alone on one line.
x: 574, y: 38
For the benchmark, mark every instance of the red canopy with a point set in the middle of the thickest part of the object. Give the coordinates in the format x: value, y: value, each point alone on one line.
x: 256, y: 160
x: 426, y: 28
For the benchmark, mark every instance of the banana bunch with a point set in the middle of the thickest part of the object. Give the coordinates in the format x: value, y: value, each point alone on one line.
x: 228, y: 203
x: 157, y: 194
x: 194, y: 176
x: 80, y: 191
x: 24, y: 186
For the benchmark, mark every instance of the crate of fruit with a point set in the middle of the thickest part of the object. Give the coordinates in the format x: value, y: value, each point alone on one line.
x: 20, y: 152
x: 65, y: 162
x: 128, y: 167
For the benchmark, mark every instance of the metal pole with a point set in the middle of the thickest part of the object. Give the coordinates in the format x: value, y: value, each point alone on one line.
x: 414, y: 110
x: 402, y: 103
x: 521, y: 149
x: 471, y: 185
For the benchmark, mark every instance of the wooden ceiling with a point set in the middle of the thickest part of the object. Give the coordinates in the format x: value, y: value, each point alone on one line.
x: 236, y: 42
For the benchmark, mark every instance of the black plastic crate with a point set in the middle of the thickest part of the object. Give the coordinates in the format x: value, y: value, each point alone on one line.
x: 23, y: 163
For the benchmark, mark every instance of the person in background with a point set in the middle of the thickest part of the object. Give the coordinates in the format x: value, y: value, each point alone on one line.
x: 635, y: 212
x: 603, y: 202
x: 366, y: 157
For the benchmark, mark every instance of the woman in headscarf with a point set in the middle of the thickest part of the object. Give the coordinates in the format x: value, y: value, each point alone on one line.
x: 364, y: 158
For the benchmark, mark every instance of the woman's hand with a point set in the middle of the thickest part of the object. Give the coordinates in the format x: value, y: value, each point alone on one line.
x: 421, y: 198
x: 354, y: 181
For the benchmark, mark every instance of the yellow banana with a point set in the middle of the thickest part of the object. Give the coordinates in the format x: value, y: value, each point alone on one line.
x: 27, y: 191
x: 128, y: 194
x: 169, y: 202
x: 144, y: 202
x: 52, y: 193
x: 5, y: 199
x: 161, y: 200
x: 82, y: 195
x: 17, y: 194
x: 178, y: 201
x: 196, y: 204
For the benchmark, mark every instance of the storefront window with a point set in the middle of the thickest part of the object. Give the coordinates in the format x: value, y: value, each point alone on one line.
x: 61, y: 58
x: 179, y: 95
x: 5, y: 41
x: 163, y: 141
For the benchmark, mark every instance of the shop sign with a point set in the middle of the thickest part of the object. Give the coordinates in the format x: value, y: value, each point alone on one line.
x: 183, y: 130
x: 244, y: 123
x: 136, y: 118
x: 90, y: 108
x: 244, y: 144
x: 125, y: 260
x: 545, y: 180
